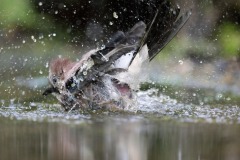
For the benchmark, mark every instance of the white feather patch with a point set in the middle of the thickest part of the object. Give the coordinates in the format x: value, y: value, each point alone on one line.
x: 134, y: 74
x: 124, y: 61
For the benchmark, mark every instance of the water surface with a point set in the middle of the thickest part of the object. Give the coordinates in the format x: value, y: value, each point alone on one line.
x: 161, y: 127
x: 118, y: 137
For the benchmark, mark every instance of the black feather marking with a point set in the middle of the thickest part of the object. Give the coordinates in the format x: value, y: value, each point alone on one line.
x: 154, y: 49
x: 164, y: 25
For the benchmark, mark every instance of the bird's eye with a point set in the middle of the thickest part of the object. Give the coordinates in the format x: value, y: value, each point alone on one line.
x: 54, y: 80
x: 71, y: 85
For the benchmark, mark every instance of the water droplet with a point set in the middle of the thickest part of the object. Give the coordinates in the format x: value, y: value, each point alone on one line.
x: 220, y: 95
x: 40, y: 3
x: 104, y: 58
x: 180, y: 62
x: 12, y: 101
x: 40, y: 72
x: 23, y: 41
x: 73, y: 85
x: 115, y: 15
x: 228, y: 98
x: 84, y: 73
x: 33, y: 38
x: 40, y: 36
x: 111, y: 23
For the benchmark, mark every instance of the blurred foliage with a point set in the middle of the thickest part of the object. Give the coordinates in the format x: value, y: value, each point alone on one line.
x: 17, y: 13
x: 229, y: 39
x: 21, y: 23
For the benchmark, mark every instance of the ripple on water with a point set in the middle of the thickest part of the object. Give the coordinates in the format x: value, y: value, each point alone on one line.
x: 163, y: 105
x: 41, y: 112
x: 149, y: 104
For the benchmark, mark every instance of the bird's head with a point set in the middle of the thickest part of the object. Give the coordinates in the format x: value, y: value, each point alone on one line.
x: 58, y: 71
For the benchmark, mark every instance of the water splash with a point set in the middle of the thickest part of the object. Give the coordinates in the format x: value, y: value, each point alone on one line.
x: 150, y: 104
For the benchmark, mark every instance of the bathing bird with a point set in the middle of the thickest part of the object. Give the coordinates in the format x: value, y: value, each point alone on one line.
x: 108, y: 77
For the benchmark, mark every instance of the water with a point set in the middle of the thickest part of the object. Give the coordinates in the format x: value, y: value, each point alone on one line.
x: 151, y: 104
x: 161, y: 127
x: 118, y: 137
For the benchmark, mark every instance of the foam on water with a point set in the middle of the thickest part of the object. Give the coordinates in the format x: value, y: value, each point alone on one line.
x: 162, y: 105
x: 149, y: 104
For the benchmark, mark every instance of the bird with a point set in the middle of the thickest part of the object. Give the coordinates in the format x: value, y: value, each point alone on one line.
x: 106, y: 78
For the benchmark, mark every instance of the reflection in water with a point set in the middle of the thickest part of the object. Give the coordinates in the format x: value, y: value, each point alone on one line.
x: 118, y: 138
x: 97, y: 141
